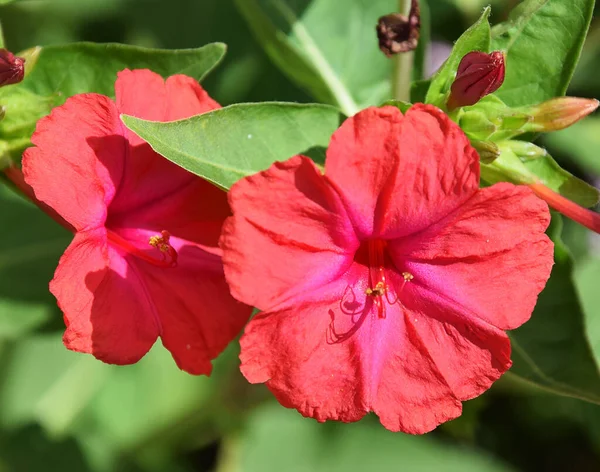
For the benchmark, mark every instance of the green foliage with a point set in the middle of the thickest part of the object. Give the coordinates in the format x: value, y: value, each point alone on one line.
x: 270, y: 444
x: 552, y: 350
x: 581, y: 142
x: 66, y: 411
x: 52, y: 81
x: 543, y: 41
x: 326, y: 47
x: 225, y: 145
x: 31, y: 246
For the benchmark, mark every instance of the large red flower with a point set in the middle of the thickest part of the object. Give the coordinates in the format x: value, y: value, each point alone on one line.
x: 386, y: 283
x: 145, y: 260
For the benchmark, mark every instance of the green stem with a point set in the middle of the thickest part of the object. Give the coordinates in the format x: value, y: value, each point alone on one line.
x: 403, y: 64
x: 335, y: 84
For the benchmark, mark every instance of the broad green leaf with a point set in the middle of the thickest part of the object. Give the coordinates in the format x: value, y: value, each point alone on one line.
x: 580, y: 142
x: 328, y: 47
x: 225, y: 145
x: 551, y: 350
x: 542, y: 40
x: 277, y: 439
x: 31, y: 247
x: 476, y: 38
x: 63, y: 71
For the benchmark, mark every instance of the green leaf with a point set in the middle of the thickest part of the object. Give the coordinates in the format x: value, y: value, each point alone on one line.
x: 551, y: 350
x: 524, y: 170
x: 476, y: 38
x: 31, y: 245
x: 543, y: 41
x: 327, y: 47
x: 277, y: 439
x: 225, y: 145
x: 563, y: 182
x: 63, y: 71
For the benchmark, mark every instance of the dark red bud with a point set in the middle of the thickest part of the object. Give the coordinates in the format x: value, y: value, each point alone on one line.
x: 12, y: 68
x: 478, y: 75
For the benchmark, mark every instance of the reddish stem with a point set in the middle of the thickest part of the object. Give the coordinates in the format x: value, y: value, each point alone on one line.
x: 588, y: 218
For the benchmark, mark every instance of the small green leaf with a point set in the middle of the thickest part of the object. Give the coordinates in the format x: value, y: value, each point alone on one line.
x: 225, y: 145
x: 63, y: 71
x: 328, y: 47
x: 551, y: 350
x: 399, y: 104
x: 476, y: 38
x: 543, y: 41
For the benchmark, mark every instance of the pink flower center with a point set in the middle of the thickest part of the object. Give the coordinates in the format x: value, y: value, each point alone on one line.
x: 166, y: 256
x: 378, y: 285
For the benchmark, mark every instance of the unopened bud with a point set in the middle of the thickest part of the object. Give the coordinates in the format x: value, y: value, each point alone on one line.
x: 488, y: 151
x: 524, y: 150
x: 559, y: 113
x: 398, y: 33
x: 478, y: 75
x: 12, y: 68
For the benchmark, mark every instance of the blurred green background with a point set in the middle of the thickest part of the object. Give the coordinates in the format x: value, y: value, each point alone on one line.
x: 61, y: 411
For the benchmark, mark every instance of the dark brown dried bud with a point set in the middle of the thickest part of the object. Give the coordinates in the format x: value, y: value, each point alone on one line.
x: 478, y: 75
x: 12, y: 68
x: 397, y: 33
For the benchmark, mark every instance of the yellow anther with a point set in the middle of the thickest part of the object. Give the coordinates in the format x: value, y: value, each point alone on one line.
x: 407, y: 276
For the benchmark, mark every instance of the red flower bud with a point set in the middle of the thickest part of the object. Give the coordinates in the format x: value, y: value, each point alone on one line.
x: 478, y: 75
x: 12, y: 68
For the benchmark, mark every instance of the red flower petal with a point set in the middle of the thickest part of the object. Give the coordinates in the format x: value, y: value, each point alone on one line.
x: 106, y: 307
x: 68, y: 157
x: 476, y: 259
x: 290, y: 227
x: 198, y: 314
x: 388, y: 191
x: 335, y: 362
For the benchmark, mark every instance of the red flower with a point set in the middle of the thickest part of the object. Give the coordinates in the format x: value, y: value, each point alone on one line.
x: 386, y: 283
x: 144, y: 261
x: 478, y: 75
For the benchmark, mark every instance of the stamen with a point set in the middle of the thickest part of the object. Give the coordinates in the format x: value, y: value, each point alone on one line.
x: 168, y: 253
x: 377, y: 284
x: 161, y: 242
